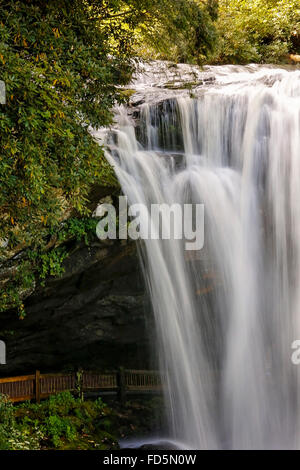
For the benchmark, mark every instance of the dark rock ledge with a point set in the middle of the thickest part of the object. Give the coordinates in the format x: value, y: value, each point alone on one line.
x: 96, y: 316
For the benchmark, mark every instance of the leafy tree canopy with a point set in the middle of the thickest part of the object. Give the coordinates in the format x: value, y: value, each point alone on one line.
x: 62, y: 62
x: 181, y: 30
x: 257, y: 30
x: 60, y: 78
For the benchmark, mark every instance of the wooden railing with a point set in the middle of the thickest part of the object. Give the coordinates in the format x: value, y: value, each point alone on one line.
x: 142, y: 380
x: 39, y: 386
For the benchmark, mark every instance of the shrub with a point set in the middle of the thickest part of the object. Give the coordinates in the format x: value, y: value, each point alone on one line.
x: 57, y: 427
x: 12, y: 436
x: 257, y: 30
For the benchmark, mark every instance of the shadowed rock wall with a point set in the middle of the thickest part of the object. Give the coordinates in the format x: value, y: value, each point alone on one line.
x: 95, y: 316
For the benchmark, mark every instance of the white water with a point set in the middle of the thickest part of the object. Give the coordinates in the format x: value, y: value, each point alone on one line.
x: 225, y: 316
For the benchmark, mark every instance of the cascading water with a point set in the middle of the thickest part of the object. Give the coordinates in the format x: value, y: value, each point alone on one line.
x: 226, y: 315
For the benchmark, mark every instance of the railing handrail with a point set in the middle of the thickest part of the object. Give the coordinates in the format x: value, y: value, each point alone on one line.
x: 37, y: 386
x: 18, y: 378
x: 137, y: 371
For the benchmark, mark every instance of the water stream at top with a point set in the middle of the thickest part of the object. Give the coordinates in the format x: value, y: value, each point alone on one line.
x: 226, y: 315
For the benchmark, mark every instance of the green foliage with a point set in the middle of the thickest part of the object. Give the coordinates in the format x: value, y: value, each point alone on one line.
x: 6, y: 412
x: 65, y: 422
x: 176, y: 30
x: 181, y: 31
x: 60, y: 79
x: 257, y: 30
x: 57, y: 428
x: 42, y: 261
x: 16, y: 287
x: 62, y: 421
x: 51, y: 263
x: 61, y: 404
x: 78, y: 228
x: 13, y: 436
x: 63, y: 63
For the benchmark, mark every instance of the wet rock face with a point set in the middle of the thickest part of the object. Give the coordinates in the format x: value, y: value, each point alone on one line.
x: 95, y: 317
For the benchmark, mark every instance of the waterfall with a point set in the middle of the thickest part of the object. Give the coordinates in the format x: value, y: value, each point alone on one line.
x: 225, y: 315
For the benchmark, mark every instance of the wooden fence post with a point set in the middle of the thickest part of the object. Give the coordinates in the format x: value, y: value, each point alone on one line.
x: 121, y: 385
x: 37, y: 386
x: 79, y: 383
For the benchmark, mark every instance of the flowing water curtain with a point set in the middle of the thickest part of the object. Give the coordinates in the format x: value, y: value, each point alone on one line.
x: 225, y: 346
